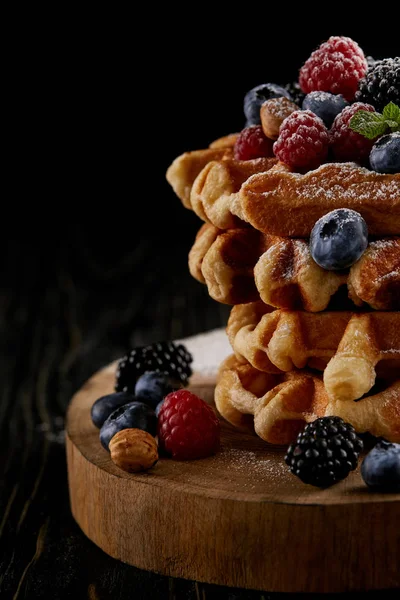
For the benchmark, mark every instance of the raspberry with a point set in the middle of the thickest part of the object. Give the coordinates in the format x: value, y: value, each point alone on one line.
x: 303, y: 141
x: 187, y: 427
x: 336, y: 66
x: 381, y: 84
x: 252, y: 143
x: 348, y: 145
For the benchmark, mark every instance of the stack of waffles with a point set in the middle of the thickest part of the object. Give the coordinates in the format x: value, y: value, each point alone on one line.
x: 308, y: 339
x: 297, y: 354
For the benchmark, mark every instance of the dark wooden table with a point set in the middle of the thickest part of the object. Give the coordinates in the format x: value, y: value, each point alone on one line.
x: 72, y: 301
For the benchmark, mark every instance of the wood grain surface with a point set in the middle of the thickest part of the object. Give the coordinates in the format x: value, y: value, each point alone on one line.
x: 241, y: 507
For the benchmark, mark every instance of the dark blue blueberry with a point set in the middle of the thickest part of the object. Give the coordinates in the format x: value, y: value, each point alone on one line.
x: 104, y: 406
x: 326, y: 106
x: 152, y: 387
x: 385, y: 154
x: 381, y: 467
x: 338, y: 239
x: 256, y: 97
x: 134, y: 415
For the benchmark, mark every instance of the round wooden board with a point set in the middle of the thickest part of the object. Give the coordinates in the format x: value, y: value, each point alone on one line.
x: 237, y: 519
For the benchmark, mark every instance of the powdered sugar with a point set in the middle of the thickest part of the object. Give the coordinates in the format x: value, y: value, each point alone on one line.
x: 208, y: 350
x: 266, y: 467
x: 345, y: 180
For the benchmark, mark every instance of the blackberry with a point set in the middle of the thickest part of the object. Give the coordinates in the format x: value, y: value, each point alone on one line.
x: 295, y: 92
x: 325, y: 452
x: 381, y: 84
x: 162, y: 357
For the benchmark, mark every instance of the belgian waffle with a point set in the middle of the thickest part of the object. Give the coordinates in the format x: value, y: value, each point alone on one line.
x: 215, y: 193
x: 185, y: 168
x: 352, y: 348
x: 289, y: 204
x: 208, y: 181
x: 278, y: 406
x: 243, y: 265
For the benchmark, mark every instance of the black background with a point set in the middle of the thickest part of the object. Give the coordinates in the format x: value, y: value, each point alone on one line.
x: 94, y: 243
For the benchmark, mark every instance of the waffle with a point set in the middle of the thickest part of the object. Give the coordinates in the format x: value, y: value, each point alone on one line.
x: 208, y: 181
x: 214, y: 196
x: 244, y: 265
x: 278, y: 406
x: 289, y: 204
x: 185, y: 168
x: 352, y: 348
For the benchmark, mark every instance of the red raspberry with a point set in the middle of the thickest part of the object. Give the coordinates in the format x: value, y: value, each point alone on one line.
x: 336, y: 66
x: 252, y: 143
x: 348, y: 145
x: 187, y: 427
x: 303, y: 141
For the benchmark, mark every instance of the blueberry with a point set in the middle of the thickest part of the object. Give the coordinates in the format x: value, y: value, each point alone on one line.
x: 381, y: 467
x: 134, y: 415
x: 104, y: 406
x: 254, y: 99
x: 385, y: 154
x: 152, y: 387
x: 326, y: 106
x: 338, y: 239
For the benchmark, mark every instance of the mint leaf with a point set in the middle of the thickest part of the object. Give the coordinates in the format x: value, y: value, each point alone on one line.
x: 391, y: 112
x: 368, y: 124
x: 392, y: 124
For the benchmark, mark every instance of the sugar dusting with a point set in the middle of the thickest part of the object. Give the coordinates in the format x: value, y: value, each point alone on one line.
x: 345, y: 180
x: 208, y: 351
x: 240, y: 460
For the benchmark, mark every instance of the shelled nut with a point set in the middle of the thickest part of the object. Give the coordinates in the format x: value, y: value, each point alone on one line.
x: 273, y: 112
x: 133, y: 450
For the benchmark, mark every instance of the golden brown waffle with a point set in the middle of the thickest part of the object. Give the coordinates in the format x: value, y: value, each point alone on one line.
x: 352, y: 348
x: 208, y: 181
x: 289, y: 204
x: 214, y: 196
x: 185, y: 168
x: 225, y: 262
x: 243, y: 265
x: 278, y: 406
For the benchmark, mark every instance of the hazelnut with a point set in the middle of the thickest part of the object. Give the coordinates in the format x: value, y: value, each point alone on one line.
x: 133, y: 450
x: 273, y: 112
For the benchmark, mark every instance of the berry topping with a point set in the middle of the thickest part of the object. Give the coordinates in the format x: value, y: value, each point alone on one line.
x: 252, y: 143
x: 325, y: 105
x: 381, y: 84
x: 164, y: 357
x: 273, y: 112
x: 187, y: 427
x: 325, y: 452
x: 336, y: 66
x: 134, y: 415
x: 348, y: 145
x: 254, y: 99
x: 104, y: 406
x: 338, y: 239
x: 380, y: 469
x: 152, y: 387
x: 303, y: 141
x: 385, y: 154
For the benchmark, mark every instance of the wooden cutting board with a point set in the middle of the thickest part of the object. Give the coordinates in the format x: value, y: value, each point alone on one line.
x: 237, y: 519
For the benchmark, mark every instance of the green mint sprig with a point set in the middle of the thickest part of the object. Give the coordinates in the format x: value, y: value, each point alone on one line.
x: 373, y: 124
